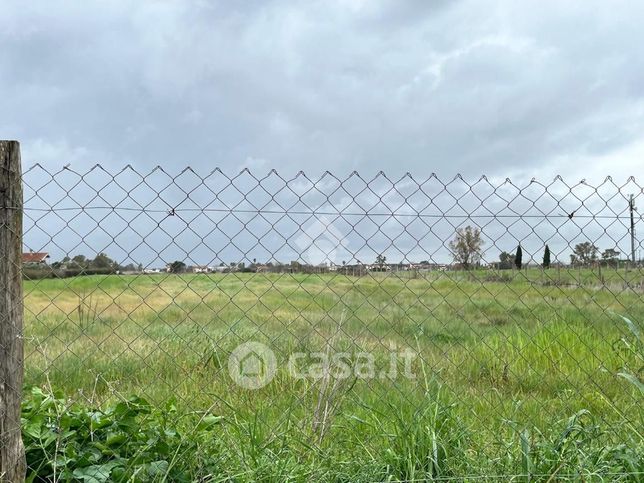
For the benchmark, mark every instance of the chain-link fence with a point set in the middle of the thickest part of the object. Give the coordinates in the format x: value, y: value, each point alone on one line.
x: 189, y: 326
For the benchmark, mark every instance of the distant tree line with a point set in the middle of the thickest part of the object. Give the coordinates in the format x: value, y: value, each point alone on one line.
x: 587, y: 253
x: 101, y: 264
x: 80, y: 262
x: 583, y: 254
x: 467, y: 251
x: 466, y: 248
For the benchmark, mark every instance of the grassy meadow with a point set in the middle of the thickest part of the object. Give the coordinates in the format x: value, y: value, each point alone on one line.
x: 516, y: 372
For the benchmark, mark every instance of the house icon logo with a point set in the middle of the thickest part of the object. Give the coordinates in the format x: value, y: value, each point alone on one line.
x: 252, y: 365
x: 321, y: 242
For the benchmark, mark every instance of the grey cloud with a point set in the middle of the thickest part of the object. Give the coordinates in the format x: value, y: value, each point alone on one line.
x: 399, y: 86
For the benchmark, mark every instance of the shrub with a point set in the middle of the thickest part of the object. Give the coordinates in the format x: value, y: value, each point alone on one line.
x: 128, y: 441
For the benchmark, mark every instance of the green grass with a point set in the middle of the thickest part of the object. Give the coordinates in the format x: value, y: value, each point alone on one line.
x: 517, y: 370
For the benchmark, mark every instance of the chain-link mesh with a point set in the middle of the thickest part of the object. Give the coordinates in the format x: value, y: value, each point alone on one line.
x: 331, y: 328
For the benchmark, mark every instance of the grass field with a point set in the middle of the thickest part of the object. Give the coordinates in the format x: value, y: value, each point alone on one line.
x: 516, y: 372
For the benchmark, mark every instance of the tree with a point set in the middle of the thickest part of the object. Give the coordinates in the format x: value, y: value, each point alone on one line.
x: 610, y: 256
x: 79, y: 261
x: 505, y: 261
x: 103, y: 261
x: 518, y: 258
x: 467, y: 246
x: 381, y: 260
x: 584, y: 253
x: 177, y: 267
x: 546, y: 257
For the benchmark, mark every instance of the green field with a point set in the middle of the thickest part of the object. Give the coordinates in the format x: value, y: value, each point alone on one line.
x: 506, y: 363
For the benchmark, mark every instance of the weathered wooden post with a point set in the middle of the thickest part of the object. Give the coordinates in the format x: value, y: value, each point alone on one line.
x: 12, y: 454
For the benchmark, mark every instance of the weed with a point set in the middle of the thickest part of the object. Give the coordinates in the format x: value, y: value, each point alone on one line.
x: 128, y: 441
x: 86, y: 310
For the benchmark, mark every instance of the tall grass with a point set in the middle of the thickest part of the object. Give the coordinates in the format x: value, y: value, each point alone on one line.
x: 513, y: 377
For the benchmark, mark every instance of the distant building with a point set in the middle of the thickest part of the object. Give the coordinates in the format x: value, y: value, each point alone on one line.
x: 200, y: 269
x: 35, y: 258
x: 428, y: 267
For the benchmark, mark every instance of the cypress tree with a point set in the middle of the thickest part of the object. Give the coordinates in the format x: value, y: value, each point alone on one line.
x: 546, y: 257
x: 518, y: 258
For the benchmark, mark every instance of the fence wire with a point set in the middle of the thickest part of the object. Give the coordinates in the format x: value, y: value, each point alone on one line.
x: 243, y: 327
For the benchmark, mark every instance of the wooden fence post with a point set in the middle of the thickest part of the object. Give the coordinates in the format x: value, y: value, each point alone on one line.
x: 12, y: 453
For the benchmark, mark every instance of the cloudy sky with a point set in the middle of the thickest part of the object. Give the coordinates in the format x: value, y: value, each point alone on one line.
x: 504, y: 88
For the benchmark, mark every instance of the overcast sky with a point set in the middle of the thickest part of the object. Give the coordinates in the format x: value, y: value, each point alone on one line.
x: 504, y: 88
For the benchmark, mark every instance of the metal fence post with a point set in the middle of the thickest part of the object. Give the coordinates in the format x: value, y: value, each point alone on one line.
x: 12, y: 454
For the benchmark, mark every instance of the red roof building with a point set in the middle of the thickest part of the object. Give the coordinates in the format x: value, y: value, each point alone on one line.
x: 35, y: 257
